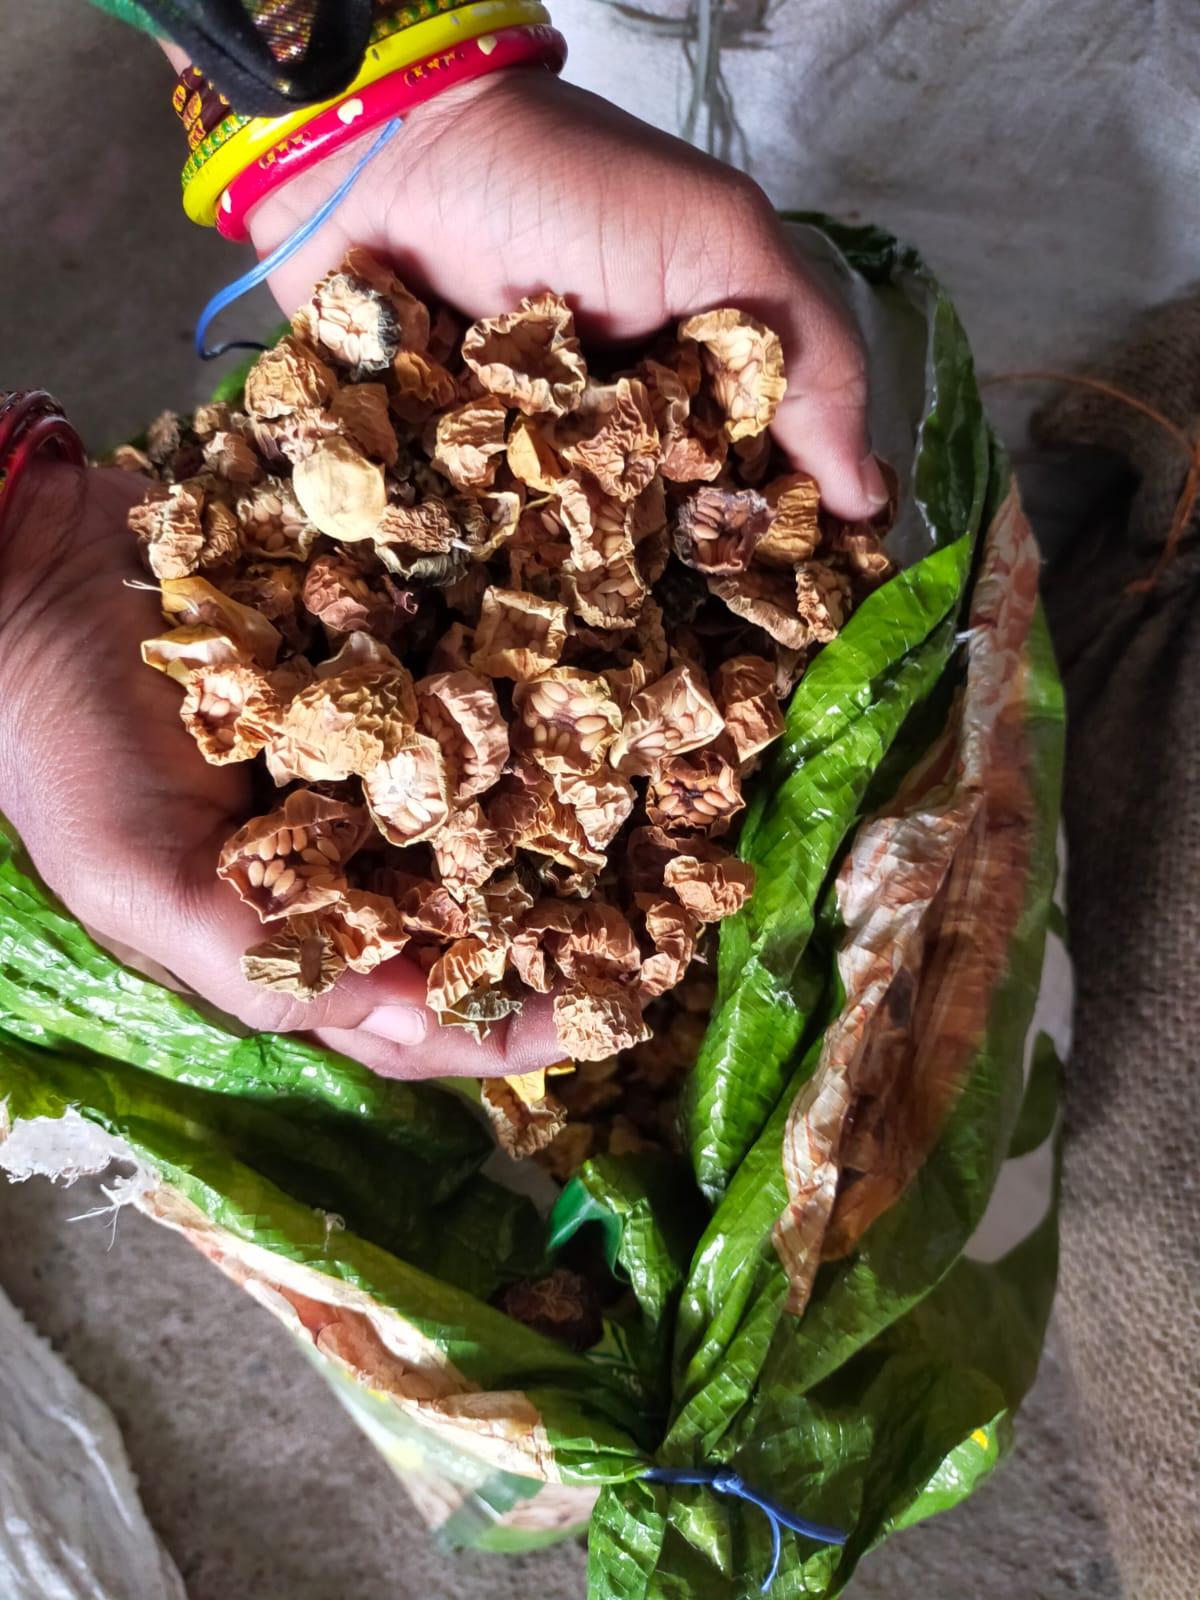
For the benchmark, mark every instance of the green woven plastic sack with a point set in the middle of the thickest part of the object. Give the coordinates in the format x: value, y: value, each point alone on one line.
x: 833, y: 1294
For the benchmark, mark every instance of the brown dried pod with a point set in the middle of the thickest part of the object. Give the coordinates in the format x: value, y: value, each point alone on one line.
x: 648, y: 851
x: 348, y: 599
x: 697, y: 792
x: 613, y: 436
x: 230, y: 458
x: 766, y: 596
x: 285, y: 441
x: 459, y: 711
x: 529, y: 357
x: 340, y: 491
x: 427, y: 910
x: 294, y: 859
x: 468, y: 850
x: 608, y: 597
x: 518, y: 635
x: 274, y: 590
x: 528, y: 815
x: 599, y: 528
x: 861, y: 550
x: 364, y: 929
x: 794, y: 530
x: 467, y: 965
x: 408, y: 792
x: 649, y: 647
x: 466, y: 989
x: 538, y: 549
x: 624, y: 682
x: 170, y: 529
x: 222, y: 536
x: 598, y: 944
x: 562, y: 1306
x: 521, y: 1130
x: 598, y: 1020
x: 362, y: 410
x: 672, y: 930
x: 272, y: 524
x: 822, y: 600
x: 602, y: 803
x: 286, y: 379
x: 361, y: 315
x: 670, y: 717
x: 531, y: 455
x: 717, y: 530
x: 744, y: 364
x: 298, y: 959
x: 181, y: 651
x: 564, y: 719
x: 505, y: 901
x: 468, y: 442
x: 195, y: 603
x: 344, y: 724
x: 362, y: 653
x: 530, y: 961
x: 126, y: 458
x: 216, y: 416
x: 489, y: 519
x: 712, y: 887
x: 744, y: 690
x: 426, y: 528
x: 693, y: 439
x: 164, y: 437
x: 231, y: 710
x: 420, y: 386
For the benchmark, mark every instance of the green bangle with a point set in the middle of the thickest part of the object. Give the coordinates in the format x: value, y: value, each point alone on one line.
x: 405, y: 16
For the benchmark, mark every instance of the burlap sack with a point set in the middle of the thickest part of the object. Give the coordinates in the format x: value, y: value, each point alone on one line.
x: 1129, y: 1296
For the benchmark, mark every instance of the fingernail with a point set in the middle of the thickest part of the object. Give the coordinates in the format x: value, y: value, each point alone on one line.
x: 872, y: 482
x: 400, y: 1024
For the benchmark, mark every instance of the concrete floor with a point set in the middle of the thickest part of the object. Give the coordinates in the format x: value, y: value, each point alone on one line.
x: 260, y: 1486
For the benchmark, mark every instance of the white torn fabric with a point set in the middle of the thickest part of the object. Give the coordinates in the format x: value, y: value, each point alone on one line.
x: 65, y: 1148
x: 71, y: 1523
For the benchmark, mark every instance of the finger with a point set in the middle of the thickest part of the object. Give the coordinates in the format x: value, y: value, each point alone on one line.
x: 379, y: 1018
x: 520, y: 1043
x: 822, y: 420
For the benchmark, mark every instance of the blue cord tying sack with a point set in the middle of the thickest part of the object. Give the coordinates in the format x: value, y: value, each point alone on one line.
x: 731, y: 1483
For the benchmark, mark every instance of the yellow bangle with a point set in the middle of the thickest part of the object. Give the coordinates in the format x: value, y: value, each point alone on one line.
x: 205, y: 188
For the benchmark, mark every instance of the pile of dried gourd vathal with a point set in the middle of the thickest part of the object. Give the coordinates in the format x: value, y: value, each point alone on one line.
x: 510, y: 629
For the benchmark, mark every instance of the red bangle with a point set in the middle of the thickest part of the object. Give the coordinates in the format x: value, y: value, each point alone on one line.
x: 32, y: 421
x: 533, y: 45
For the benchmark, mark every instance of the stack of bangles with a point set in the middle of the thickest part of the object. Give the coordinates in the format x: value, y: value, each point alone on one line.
x: 417, y: 52
x: 31, y: 421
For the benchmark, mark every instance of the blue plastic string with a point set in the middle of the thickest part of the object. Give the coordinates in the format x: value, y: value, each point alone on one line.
x: 282, y: 253
x: 779, y: 1517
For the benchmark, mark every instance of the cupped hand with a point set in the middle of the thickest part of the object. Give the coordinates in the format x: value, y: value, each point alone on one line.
x: 522, y: 182
x: 124, y: 819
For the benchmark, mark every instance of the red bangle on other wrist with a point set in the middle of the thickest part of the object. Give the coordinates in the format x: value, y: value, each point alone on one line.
x: 32, y: 421
x: 533, y: 45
